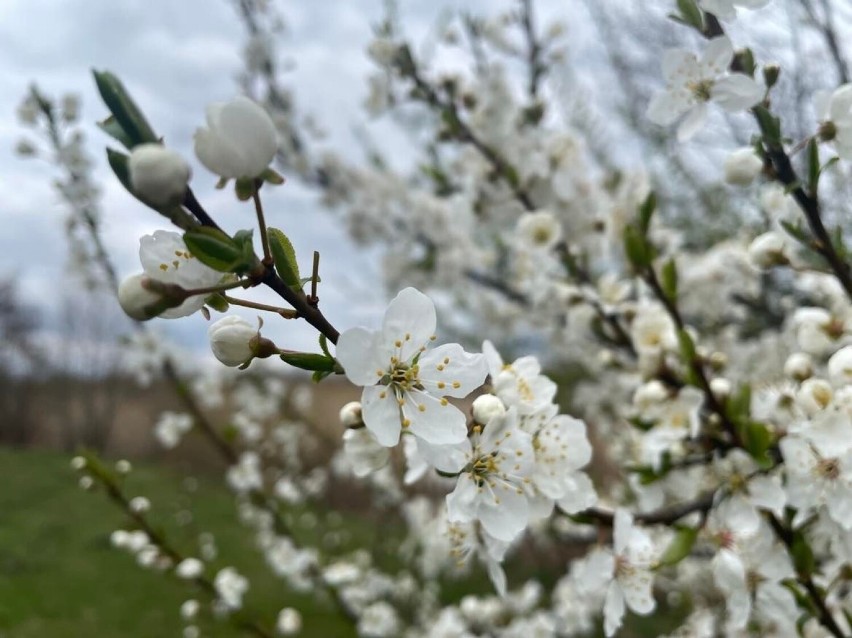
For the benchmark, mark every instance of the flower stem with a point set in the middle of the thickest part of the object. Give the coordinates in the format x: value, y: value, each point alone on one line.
x: 287, y: 313
x: 261, y: 222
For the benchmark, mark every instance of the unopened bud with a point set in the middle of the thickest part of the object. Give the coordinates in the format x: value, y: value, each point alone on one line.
x: 486, y: 407
x: 799, y: 366
x: 767, y: 250
x: 230, y: 340
x: 350, y: 415
x: 742, y: 166
x: 143, y: 298
x: 158, y: 175
x: 770, y: 74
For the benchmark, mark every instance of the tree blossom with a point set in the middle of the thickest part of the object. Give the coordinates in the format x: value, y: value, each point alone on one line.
x: 630, y: 568
x: 727, y: 9
x: 240, y: 139
x: 835, y: 114
x: 405, y: 383
x: 166, y: 258
x: 231, y: 587
x: 693, y: 82
x: 498, y: 462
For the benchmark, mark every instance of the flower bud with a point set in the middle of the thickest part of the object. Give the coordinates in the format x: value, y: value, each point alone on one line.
x: 767, y: 250
x: 139, y: 504
x: 799, y: 366
x: 158, y: 175
x: 721, y: 387
x: 742, y: 167
x: 289, y: 622
x: 486, y: 407
x: 143, y: 298
x: 350, y: 415
x: 239, y: 141
x: 230, y: 339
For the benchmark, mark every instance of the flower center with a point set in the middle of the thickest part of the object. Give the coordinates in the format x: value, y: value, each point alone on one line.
x: 828, y: 469
x: 701, y: 90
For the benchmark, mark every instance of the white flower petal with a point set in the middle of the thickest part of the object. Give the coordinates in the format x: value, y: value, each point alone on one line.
x: 434, y: 420
x: 737, y: 92
x: 450, y: 371
x: 410, y: 320
x: 381, y: 414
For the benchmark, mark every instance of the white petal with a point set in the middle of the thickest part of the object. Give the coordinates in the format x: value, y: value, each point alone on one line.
x: 250, y: 132
x: 679, y: 67
x: 622, y: 529
x: 506, y: 514
x: 450, y: 371
x: 613, y: 609
x: 737, y: 92
x: 716, y: 57
x: 579, y: 494
x: 693, y: 122
x: 357, y: 353
x: 636, y: 585
x: 461, y: 502
x: 766, y: 492
x: 666, y: 106
x: 433, y: 419
x: 410, y: 320
x: 381, y: 414
x: 445, y: 458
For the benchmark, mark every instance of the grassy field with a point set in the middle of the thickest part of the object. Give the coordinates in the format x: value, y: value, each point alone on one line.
x: 59, y: 577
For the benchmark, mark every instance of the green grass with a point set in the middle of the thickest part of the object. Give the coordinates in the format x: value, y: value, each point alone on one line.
x: 60, y: 577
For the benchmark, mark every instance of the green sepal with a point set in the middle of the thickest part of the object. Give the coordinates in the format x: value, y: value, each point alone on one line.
x: 680, y: 547
x: 744, y: 61
x: 244, y: 188
x: 285, y: 258
x: 319, y: 375
x: 309, y: 361
x: 271, y: 176
x: 127, y: 115
x: 222, y: 183
x: 217, y: 302
x: 111, y: 127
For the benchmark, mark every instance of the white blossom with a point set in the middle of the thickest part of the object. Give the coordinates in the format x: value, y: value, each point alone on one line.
x: 240, y: 139
x: 405, y: 383
x: 158, y: 174
x: 230, y: 339
x: 691, y: 83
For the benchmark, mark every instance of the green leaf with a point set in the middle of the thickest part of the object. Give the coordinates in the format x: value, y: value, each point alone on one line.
x: 646, y: 212
x: 757, y: 439
x: 285, y: 258
x: 770, y: 126
x: 813, y: 166
x: 637, y: 248
x: 214, y: 248
x: 744, y: 61
x: 803, y: 556
x: 127, y: 115
x: 668, y: 277
x: 688, y: 356
x: 323, y: 343
x: 111, y: 127
x: 680, y: 547
x: 309, y: 361
x: 739, y: 405
x: 691, y: 14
